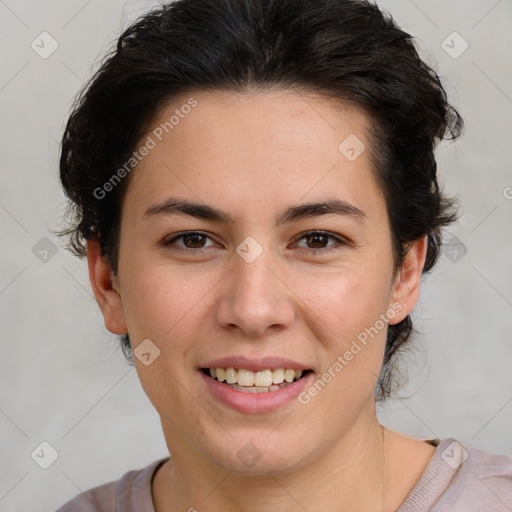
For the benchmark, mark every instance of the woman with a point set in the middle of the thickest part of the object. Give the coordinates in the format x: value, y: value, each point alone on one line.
x: 254, y: 185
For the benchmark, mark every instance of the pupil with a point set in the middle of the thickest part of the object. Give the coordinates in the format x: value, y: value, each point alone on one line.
x: 312, y: 237
x: 188, y: 237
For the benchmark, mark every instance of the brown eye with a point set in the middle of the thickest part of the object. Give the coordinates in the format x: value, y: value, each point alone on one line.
x: 317, y: 241
x: 192, y: 241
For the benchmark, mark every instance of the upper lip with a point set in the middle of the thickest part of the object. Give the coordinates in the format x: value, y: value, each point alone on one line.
x: 256, y: 365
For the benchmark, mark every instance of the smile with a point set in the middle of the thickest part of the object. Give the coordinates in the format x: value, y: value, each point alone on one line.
x: 249, y: 398
x: 255, y: 382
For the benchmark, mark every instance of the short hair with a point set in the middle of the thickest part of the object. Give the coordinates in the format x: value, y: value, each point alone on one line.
x: 347, y: 50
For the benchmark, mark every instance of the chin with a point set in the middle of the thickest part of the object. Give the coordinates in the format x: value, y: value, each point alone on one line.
x: 259, y: 456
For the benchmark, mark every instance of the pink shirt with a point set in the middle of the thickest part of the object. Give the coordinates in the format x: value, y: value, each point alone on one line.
x: 457, y: 479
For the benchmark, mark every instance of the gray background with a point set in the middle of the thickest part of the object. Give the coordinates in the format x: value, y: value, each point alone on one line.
x: 64, y: 379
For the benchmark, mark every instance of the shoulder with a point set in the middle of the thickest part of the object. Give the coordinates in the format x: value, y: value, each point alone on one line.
x: 484, y: 478
x: 131, y: 493
x: 462, y: 478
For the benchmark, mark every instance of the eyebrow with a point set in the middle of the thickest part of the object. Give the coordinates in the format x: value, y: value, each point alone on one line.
x: 336, y: 206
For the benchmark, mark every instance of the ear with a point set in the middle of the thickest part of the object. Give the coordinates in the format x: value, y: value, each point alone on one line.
x: 106, y: 289
x: 406, y: 287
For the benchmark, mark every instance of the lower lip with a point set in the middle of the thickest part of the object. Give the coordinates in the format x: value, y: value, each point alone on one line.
x: 255, y: 403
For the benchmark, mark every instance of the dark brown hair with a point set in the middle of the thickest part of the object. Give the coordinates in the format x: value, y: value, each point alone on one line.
x: 343, y: 49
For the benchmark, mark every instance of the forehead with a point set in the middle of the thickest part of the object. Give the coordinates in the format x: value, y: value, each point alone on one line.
x: 265, y: 148
x: 277, y: 117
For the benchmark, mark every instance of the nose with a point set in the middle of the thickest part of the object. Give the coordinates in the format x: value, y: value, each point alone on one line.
x: 254, y: 297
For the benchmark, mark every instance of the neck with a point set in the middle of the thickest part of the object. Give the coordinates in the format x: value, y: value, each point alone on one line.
x: 345, y: 476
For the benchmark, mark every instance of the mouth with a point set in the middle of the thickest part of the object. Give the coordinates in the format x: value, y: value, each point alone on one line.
x: 248, y: 381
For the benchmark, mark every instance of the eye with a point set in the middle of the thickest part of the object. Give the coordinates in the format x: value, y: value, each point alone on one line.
x: 193, y: 241
x: 320, y: 238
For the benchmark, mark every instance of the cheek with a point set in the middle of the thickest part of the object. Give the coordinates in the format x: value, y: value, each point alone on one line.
x: 160, y: 306
x: 147, y: 306
x: 346, y: 301
x: 159, y: 298
x: 347, y: 319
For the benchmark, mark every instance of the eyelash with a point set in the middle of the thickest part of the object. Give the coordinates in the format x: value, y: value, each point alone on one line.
x: 307, y: 234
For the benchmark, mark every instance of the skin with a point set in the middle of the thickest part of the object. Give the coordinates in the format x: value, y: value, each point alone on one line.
x: 253, y: 155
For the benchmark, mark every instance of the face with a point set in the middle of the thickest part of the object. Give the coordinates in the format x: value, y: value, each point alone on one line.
x: 248, y: 285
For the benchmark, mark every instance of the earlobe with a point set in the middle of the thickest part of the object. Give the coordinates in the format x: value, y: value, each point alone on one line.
x: 406, y: 287
x: 106, y: 289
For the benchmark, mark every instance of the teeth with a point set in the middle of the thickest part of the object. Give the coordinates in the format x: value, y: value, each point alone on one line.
x: 265, y: 379
x: 278, y: 376
x: 289, y: 375
x: 245, y: 378
x: 258, y: 389
x: 231, y: 375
